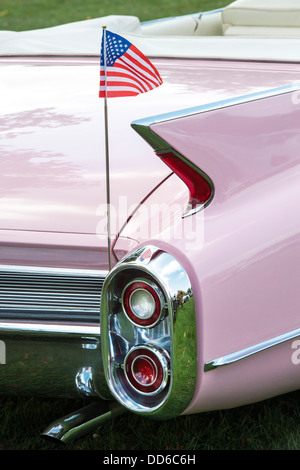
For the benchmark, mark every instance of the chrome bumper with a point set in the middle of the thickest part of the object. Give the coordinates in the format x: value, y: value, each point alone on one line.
x: 50, y: 332
x: 57, y: 360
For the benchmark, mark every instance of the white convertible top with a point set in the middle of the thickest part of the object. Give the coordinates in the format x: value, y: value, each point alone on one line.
x: 80, y: 38
x: 246, y: 29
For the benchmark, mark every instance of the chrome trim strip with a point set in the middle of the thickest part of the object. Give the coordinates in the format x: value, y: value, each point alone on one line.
x: 20, y: 328
x: 143, y: 126
x: 53, y: 271
x: 247, y: 352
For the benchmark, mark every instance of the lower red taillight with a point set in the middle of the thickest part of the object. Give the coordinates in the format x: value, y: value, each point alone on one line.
x: 146, y: 369
x: 200, y: 188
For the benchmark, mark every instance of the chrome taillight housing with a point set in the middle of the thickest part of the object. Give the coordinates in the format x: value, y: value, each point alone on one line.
x: 148, y: 333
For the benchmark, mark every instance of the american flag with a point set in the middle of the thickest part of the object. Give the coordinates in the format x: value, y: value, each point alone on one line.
x: 128, y: 71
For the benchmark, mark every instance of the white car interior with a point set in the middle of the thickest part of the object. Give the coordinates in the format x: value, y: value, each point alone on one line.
x: 243, y: 30
x: 260, y: 18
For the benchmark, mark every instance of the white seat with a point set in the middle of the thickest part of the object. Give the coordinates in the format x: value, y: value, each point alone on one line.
x: 273, y: 18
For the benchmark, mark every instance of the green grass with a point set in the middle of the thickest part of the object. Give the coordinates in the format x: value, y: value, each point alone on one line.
x: 20, y: 15
x: 270, y: 425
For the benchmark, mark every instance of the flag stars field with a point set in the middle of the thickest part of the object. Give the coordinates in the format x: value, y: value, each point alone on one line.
x: 124, y: 70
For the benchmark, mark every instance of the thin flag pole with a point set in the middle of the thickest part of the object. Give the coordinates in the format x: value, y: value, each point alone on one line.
x: 132, y: 74
x: 107, y: 153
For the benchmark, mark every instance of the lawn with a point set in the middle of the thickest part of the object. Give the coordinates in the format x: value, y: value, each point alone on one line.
x: 20, y: 15
x: 272, y: 424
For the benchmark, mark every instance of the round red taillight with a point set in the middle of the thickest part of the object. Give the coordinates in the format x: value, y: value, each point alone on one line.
x: 142, y: 303
x: 146, y: 369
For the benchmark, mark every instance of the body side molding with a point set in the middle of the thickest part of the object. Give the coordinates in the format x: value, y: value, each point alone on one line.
x: 247, y: 352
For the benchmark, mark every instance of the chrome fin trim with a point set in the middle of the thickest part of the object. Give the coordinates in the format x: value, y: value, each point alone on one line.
x: 252, y: 350
x: 143, y: 127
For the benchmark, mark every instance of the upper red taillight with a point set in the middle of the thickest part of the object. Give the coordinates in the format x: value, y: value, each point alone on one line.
x: 142, y: 303
x: 199, y: 187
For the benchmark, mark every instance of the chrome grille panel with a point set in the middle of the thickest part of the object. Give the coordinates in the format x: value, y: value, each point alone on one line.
x: 48, y: 294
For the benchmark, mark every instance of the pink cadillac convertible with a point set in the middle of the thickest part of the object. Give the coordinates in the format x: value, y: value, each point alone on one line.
x: 192, y: 258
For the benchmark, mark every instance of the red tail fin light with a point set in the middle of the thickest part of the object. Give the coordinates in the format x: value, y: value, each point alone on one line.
x: 200, y: 188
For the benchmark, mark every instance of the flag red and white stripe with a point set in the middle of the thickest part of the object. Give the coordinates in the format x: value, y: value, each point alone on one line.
x: 124, y: 69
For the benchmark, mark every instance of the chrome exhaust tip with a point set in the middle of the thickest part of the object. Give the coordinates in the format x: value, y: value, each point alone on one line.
x: 82, y: 422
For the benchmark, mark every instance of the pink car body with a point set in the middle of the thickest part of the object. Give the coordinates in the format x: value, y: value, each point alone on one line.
x: 232, y: 334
